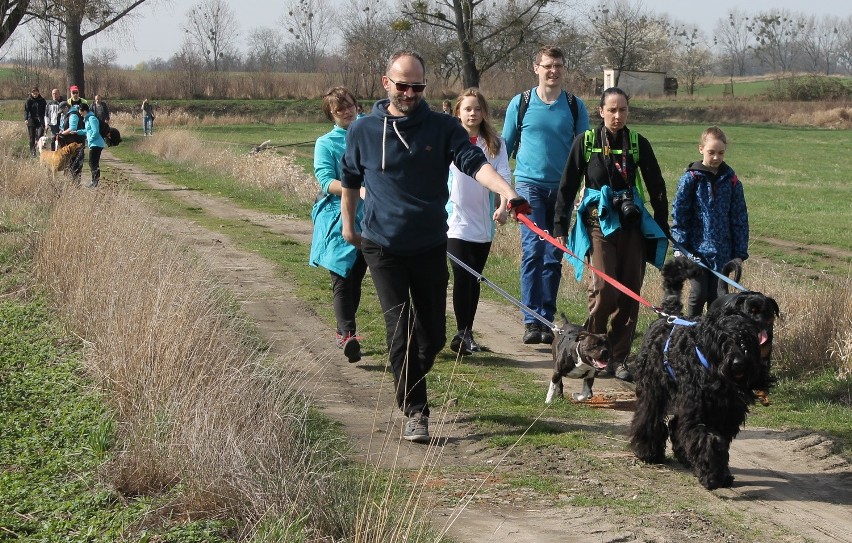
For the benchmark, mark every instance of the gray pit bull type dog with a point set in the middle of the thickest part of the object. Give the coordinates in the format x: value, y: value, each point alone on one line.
x: 577, y: 354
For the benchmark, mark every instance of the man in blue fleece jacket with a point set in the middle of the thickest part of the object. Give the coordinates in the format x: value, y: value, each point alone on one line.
x: 401, y: 153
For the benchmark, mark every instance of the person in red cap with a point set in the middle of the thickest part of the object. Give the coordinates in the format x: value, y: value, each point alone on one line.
x: 75, y: 99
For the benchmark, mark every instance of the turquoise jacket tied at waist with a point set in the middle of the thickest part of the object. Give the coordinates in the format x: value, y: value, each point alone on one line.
x: 579, y: 240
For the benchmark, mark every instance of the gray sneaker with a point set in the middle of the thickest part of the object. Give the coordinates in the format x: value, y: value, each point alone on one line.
x: 417, y: 429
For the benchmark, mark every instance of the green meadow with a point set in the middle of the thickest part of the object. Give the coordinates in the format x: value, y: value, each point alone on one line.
x: 795, y: 179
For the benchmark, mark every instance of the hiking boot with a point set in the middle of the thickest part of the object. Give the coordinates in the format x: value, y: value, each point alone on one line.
x: 532, y: 333
x: 461, y: 343
x: 474, y: 346
x: 351, y: 346
x: 546, y: 335
x: 417, y: 429
x: 621, y: 371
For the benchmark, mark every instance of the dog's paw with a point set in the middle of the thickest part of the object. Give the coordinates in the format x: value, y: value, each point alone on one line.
x: 553, y: 392
x: 581, y: 396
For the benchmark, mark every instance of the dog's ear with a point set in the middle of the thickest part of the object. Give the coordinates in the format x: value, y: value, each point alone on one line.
x: 774, y: 305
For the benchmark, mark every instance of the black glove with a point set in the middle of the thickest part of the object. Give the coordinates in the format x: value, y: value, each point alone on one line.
x: 519, y: 205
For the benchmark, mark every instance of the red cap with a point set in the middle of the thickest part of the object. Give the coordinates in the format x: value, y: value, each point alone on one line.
x: 73, y: 88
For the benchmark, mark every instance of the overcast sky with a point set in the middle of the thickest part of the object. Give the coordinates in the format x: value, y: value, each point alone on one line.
x: 157, y: 32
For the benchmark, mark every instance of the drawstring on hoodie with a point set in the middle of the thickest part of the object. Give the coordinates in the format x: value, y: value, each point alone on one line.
x: 384, y: 139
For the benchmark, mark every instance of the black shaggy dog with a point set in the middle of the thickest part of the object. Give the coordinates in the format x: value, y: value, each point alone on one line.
x: 763, y: 309
x: 701, y: 375
x: 577, y: 354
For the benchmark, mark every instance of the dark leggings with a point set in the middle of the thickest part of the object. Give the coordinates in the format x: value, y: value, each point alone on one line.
x: 347, y: 295
x: 703, y: 289
x: 95, y: 164
x: 466, y: 287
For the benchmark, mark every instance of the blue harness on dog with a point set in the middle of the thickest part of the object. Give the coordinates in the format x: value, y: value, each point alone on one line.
x: 677, y: 321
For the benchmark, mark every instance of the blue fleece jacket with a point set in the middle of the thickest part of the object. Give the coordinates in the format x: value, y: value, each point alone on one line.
x: 404, y: 162
x: 709, y: 214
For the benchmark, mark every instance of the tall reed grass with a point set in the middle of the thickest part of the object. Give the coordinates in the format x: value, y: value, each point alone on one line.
x: 200, y: 413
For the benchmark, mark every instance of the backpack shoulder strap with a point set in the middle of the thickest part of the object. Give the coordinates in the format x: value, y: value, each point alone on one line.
x: 634, y: 152
x: 575, y: 109
x: 523, y: 106
x: 589, y: 144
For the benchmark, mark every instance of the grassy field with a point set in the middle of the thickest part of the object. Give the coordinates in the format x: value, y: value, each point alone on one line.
x: 794, y: 178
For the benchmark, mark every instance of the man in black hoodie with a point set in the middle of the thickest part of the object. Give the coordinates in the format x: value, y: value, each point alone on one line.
x: 34, y: 109
x: 401, y: 154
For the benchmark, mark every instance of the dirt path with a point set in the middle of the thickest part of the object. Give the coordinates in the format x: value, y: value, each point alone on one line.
x: 788, y: 486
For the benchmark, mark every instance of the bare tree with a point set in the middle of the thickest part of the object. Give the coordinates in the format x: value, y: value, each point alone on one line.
x: 12, y: 13
x: 81, y: 20
x: 734, y: 37
x: 778, y: 35
x: 630, y: 37
x: 309, y: 22
x: 264, y: 49
x: 48, y: 30
x: 486, y: 31
x: 844, y: 54
x: 211, y: 29
x: 692, y: 60
x: 821, y: 42
x: 369, y: 38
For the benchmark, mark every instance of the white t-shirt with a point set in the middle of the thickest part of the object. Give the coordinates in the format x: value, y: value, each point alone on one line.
x: 471, y: 206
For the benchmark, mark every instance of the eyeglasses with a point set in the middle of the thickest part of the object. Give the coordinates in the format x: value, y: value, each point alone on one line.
x: 344, y: 107
x: 402, y: 87
x: 551, y: 66
x: 75, y: 92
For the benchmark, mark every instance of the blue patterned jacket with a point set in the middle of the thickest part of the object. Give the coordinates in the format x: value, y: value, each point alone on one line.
x: 709, y: 215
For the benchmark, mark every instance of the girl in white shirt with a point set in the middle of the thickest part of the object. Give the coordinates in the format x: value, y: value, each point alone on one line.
x: 472, y: 213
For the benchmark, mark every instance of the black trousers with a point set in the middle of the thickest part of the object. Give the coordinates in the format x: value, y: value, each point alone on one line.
x: 412, y: 291
x: 703, y: 289
x: 95, y: 164
x: 34, y: 131
x: 347, y: 295
x: 466, y: 287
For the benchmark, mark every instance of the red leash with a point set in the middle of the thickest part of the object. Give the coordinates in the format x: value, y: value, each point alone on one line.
x: 612, y: 281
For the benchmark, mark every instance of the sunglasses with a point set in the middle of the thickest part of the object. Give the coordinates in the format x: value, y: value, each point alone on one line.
x: 402, y: 87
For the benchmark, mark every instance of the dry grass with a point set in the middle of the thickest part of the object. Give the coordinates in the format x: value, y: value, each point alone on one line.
x: 265, y: 170
x: 197, y: 410
x: 194, y: 404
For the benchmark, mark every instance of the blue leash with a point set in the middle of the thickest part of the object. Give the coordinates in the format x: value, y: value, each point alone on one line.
x: 482, y: 279
x: 698, y: 260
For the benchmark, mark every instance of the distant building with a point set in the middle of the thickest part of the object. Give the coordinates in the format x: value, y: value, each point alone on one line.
x: 636, y: 83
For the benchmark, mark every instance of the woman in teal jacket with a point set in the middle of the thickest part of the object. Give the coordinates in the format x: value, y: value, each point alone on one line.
x: 94, y: 140
x: 328, y: 248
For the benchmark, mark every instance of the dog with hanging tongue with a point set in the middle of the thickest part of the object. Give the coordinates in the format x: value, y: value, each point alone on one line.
x: 577, y: 354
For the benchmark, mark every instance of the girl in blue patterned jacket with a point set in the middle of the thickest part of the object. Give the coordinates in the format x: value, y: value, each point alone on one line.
x: 710, y: 218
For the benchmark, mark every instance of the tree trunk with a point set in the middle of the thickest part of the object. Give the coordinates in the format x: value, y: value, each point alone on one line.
x: 74, y: 69
x: 470, y: 73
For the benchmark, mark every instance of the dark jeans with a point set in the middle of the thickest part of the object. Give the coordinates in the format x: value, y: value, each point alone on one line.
x: 95, y: 164
x: 620, y: 255
x: 466, y: 287
x: 35, y: 131
x: 347, y: 295
x: 541, y: 261
x: 703, y: 289
x: 75, y: 167
x: 412, y: 291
